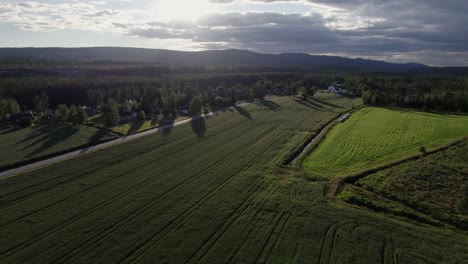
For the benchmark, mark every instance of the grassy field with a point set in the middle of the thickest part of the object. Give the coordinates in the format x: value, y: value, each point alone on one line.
x: 373, y: 136
x: 23, y: 144
x: 208, y: 192
x: 139, y: 125
x: 433, y: 187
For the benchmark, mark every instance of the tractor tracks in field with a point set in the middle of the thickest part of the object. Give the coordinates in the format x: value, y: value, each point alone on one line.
x: 102, y: 235
x: 331, y: 237
x: 80, y: 152
x: 103, y: 204
x: 101, y: 168
x: 152, y: 241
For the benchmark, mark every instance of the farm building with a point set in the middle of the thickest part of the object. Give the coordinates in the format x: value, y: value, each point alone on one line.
x: 336, y: 90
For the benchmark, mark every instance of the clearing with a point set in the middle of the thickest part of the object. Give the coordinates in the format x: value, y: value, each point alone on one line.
x: 373, y: 136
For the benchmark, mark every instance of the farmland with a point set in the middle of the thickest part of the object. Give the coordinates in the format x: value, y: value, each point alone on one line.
x: 431, y: 188
x: 208, y: 192
x: 373, y: 136
x: 22, y: 145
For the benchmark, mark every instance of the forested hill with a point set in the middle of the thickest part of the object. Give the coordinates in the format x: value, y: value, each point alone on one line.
x: 237, y: 57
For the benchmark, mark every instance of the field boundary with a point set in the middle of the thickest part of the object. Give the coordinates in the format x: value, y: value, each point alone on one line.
x: 33, y: 164
x: 54, y: 154
x: 296, y: 157
x: 337, y: 183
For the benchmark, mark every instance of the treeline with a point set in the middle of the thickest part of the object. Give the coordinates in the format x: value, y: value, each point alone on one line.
x: 440, y: 93
x: 170, y: 94
x: 167, y: 95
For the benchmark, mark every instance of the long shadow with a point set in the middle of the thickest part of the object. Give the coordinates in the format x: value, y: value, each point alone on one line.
x: 243, y: 112
x: 42, y: 131
x: 198, y: 126
x: 154, y: 121
x: 9, y: 130
x: 325, y: 103
x: 135, y: 126
x: 309, y: 104
x: 53, y: 138
x: 96, y: 137
x: 167, y: 125
x: 270, y: 104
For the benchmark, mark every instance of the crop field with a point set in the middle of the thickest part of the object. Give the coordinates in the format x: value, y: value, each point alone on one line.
x: 21, y: 145
x: 139, y: 125
x: 207, y: 192
x: 432, y: 188
x: 373, y: 136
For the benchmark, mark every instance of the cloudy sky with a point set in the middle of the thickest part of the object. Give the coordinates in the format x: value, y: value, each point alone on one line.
x: 434, y: 32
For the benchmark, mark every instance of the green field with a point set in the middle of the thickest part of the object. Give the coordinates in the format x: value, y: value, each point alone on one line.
x: 373, y: 136
x: 139, y: 125
x: 24, y: 144
x: 208, y: 192
x: 432, y: 188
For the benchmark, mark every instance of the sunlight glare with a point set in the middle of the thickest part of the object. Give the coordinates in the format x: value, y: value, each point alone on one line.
x: 184, y: 9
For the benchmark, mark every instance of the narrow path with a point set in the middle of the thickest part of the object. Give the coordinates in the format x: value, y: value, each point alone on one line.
x: 83, y: 151
x: 316, y: 140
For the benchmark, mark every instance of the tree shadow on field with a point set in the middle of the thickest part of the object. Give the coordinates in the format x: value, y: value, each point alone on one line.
x: 135, y: 126
x: 8, y: 130
x: 155, y: 121
x: 167, y: 125
x: 36, y: 132
x: 96, y: 137
x: 243, y: 112
x: 270, y: 104
x: 325, y: 103
x: 198, y: 126
x: 50, y: 139
x: 308, y: 103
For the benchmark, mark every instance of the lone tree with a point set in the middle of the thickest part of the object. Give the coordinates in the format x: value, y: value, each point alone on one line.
x: 111, y: 113
x: 308, y: 91
x: 62, y: 113
x: 80, y: 117
x: 196, y: 105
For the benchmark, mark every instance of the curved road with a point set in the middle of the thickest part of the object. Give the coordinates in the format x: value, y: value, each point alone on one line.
x: 83, y: 151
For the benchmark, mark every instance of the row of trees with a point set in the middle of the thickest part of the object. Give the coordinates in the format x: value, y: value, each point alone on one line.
x: 8, y: 107
x: 75, y: 115
x: 173, y: 93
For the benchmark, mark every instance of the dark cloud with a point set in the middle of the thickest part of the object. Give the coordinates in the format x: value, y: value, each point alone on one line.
x: 274, y: 32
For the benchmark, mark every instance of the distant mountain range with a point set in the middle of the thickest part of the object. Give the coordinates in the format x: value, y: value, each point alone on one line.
x: 214, y: 57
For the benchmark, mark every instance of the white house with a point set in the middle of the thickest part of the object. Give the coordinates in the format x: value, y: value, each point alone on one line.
x: 336, y: 90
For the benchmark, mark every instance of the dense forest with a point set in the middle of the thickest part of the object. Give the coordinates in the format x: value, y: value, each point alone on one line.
x: 166, y: 89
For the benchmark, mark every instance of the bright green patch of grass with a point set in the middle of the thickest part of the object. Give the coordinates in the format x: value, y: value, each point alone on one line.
x: 373, y: 136
x: 205, y: 192
x: 23, y: 144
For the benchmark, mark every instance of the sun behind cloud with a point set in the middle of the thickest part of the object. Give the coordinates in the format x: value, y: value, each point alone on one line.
x: 184, y: 10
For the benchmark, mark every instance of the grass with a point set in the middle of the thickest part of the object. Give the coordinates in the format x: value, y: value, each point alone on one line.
x: 20, y: 145
x: 208, y: 192
x: 373, y: 136
x: 139, y: 125
x: 434, y: 187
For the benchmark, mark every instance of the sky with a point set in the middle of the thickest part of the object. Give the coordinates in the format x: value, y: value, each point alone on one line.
x: 433, y: 32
